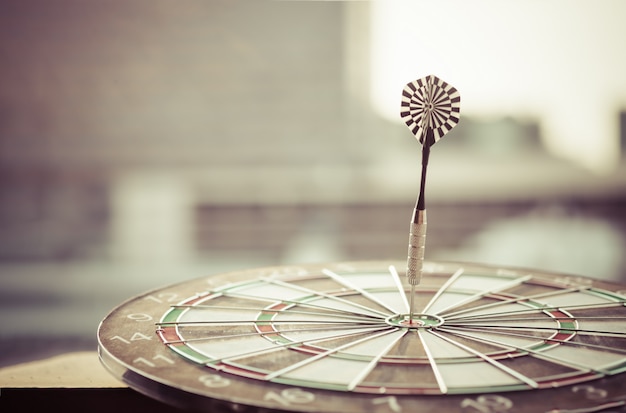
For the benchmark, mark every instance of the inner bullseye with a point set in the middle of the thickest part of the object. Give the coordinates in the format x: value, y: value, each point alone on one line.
x: 418, y: 321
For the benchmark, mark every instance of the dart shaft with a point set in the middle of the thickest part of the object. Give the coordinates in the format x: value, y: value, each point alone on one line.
x: 417, y: 246
x: 412, y: 305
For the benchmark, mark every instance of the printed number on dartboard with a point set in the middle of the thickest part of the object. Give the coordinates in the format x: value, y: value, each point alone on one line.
x: 487, y: 403
x: 291, y: 396
x: 214, y: 381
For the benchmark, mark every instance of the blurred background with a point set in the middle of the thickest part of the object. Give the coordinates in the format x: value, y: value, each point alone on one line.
x: 149, y: 142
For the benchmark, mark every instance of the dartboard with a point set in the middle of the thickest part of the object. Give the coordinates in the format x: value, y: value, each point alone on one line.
x: 337, y: 338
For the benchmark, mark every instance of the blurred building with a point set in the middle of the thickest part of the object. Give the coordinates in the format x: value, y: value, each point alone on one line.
x: 148, y: 142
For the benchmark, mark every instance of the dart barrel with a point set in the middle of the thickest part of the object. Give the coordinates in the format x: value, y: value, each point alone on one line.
x: 417, y: 246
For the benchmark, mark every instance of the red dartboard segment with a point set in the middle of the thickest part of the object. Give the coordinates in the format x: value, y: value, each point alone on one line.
x: 169, y: 335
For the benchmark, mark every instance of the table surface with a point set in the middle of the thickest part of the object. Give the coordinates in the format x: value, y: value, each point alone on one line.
x: 71, y: 370
x: 71, y: 382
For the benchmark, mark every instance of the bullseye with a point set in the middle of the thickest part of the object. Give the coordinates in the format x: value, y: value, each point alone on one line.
x: 418, y: 321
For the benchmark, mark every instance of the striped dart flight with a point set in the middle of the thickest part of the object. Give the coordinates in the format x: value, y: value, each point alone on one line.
x: 430, y: 103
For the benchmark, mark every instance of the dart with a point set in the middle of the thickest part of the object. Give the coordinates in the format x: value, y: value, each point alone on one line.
x: 430, y: 108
